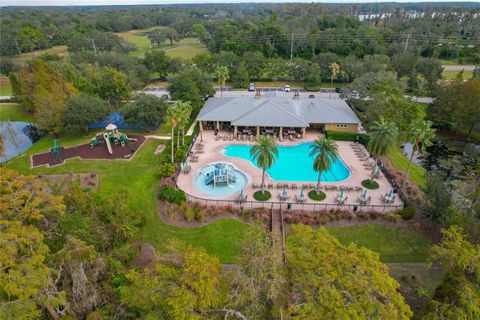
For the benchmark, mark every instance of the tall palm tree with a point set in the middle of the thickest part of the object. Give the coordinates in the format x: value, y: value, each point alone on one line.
x: 420, y: 131
x: 185, y: 110
x: 325, y: 152
x: 222, y: 74
x: 264, y: 153
x: 172, y: 120
x: 382, y: 139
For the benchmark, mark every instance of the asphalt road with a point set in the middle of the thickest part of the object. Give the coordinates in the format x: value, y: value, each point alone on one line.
x: 458, y: 68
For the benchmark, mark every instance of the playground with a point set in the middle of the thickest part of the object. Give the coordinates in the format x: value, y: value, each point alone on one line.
x: 108, y: 145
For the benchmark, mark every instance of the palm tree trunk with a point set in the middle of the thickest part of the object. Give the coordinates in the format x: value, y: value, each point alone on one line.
x: 183, y: 134
x: 178, y: 138
x: 415, y: 148
x: 318, y: 182
x: 172, y: 141
x: 263, y: 181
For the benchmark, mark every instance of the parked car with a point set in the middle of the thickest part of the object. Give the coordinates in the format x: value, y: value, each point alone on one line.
x: 251, y: 87
x: 311, y: 96
x: 287, y: 88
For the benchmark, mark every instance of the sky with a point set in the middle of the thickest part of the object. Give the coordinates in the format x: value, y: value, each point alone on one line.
x: 138, y: 2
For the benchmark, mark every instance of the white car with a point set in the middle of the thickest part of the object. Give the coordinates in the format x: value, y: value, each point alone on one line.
x: 286, y: 88
x: 251, y: 87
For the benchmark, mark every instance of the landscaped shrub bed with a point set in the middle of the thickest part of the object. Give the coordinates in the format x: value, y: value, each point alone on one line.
x: 408, y: 212
x: 262, y: 196
x: 370, y: 184
x: 172, y: 195
x: 346, y: 136
x: 317, y: 196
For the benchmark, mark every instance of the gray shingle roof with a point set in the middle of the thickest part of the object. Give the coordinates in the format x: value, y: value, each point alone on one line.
x: 277, y: 111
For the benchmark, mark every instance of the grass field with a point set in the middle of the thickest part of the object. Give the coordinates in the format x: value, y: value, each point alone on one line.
x: 393, y: 244
x: 400, y: 162
x: 451, y: 75
x: 13, y: 112
x: 5, y: 87
x: 139, y: 178
x: 138, y: 38
x: 188, y: 51
x: 26, y: 57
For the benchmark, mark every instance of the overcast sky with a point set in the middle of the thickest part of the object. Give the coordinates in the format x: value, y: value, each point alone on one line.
x: 127, y: 2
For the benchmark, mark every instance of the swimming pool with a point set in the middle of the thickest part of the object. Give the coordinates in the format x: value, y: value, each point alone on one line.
x: 293, y: 164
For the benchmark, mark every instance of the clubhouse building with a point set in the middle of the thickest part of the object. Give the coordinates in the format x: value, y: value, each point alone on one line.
x: 277, y: 116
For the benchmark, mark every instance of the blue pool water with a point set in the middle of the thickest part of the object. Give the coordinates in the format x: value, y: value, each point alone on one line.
x: 220, y: 189
x: 293, y: 164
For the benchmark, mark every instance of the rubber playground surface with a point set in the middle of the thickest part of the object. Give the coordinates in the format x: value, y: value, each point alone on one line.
x: 85, y: 152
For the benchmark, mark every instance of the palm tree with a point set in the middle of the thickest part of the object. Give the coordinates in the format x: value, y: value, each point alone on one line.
x: 185, y: 110
x: 172, y: 120
x: 222, y: 74
x: 420, y: 131
x: 325, y: 152
x: 382, y: 139
x: 264, y: 153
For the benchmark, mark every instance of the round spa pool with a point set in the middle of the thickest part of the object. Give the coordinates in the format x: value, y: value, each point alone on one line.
x: 219, y: 179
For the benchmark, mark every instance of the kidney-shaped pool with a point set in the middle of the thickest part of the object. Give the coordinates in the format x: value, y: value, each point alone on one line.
x: 293, y: 164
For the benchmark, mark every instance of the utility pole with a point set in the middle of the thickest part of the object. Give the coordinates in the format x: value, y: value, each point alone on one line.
x: 406, y: 44
x: 291, y: 48
x: 94, y: 47
x: 18, y: 47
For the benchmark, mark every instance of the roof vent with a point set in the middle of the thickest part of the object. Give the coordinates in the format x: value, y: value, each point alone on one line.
x: 257, y: 95
x: 296, y: 95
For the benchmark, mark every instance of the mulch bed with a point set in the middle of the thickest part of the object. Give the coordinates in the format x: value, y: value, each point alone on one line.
x: 84, y: 152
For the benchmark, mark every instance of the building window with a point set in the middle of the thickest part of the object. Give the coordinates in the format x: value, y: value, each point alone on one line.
x: 342, y: 125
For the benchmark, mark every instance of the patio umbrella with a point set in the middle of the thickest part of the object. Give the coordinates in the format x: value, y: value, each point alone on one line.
x: 284, y: 193
x: 364, y: 194
x: 241, y: 194
x: 301, y: 194
x: 341, y: 193
x: 390, y: 193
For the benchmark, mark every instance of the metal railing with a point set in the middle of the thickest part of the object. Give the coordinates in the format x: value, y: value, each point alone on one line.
x: 293, y: 206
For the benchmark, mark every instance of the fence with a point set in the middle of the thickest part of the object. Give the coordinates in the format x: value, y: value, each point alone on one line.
x: 313, y: 207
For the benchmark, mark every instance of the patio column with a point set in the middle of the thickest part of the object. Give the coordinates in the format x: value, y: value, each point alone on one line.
x: 303, y: 132
x: 258, y: 132
x: 218, y: 125
x: 200, y: 125
x: 235, y: 130
x: 280, y: 135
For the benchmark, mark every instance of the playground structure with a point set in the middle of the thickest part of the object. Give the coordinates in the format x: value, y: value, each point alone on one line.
x: 111, y: 136
x: 56, y: 151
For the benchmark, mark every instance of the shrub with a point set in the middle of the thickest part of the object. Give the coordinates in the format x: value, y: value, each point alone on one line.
x: 392, y: 217
x: 408, y: 212
x: 262, y: 196
x: 317, y: 196
x: 180, y: 153
x: 346, y: 136
x: 370, y: 184
x: 166, y: 170
x: 194, y: 212
x: 172, y: 195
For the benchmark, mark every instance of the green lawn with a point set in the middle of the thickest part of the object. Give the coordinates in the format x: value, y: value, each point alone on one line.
x: 400, y: 162
x: 13, y: 112
x: 22, y: 59
x: 393, y: 244
x: 186, y: 52
x: 451, y: 75
x: 5, y: 87
x: 139, y: 38
x: 139, y: 178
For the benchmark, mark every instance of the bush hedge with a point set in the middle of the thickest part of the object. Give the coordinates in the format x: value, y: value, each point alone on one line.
x: 317, y: 196
x: 346, y: 136
x: 262, y: 196
x: 172, y: 195
x: 408, y: 212
x: 370, y: 184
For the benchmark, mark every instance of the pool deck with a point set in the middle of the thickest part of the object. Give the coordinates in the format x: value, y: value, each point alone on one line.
x: 212, y: 152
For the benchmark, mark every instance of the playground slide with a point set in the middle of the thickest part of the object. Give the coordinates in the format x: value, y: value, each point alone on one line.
x: 109, y: 146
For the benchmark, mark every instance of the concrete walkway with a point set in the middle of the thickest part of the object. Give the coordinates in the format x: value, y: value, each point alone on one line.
x: 190, y: 130
x: 458, y: 67
x: 158, y: 137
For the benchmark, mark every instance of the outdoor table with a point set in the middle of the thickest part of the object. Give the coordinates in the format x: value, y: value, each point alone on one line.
x: 363, y: 200
x: 340, y: 199
x: 389, y: 199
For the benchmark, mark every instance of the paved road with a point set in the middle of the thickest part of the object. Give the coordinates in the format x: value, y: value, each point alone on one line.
x: 458, y: 68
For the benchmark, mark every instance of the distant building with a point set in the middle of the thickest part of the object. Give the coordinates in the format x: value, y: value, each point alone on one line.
x: 272, y: 114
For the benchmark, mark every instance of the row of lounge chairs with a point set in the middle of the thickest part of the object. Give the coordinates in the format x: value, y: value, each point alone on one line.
x: 194, y: 155
x: 360, y: 151
x: 309, y: 186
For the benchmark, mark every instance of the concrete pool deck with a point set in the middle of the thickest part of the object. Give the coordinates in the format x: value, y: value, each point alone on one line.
x: 212, y: 152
